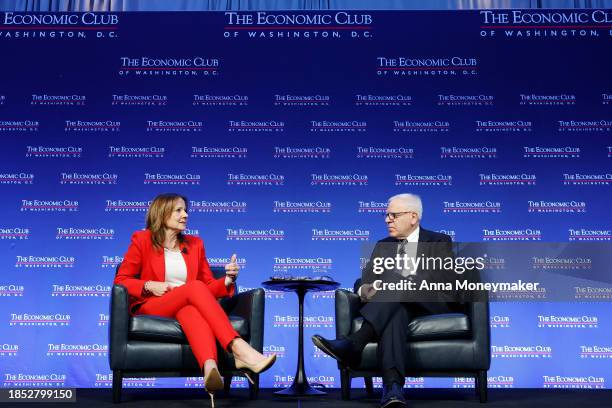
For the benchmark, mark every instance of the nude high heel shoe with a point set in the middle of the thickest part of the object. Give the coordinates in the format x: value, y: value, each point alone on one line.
x: 259, y: 367
x: 212, y: 383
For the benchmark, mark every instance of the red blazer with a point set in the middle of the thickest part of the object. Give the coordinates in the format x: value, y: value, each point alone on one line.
x: 143, y: 262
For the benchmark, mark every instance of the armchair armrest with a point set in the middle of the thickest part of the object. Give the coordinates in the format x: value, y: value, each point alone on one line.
x: 118, y: 326
x: 249, y: 305
x: 347, y: 308
x: 481, y: 331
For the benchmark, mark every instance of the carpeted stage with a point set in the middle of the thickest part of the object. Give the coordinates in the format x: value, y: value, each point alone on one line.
x: 421, y: 398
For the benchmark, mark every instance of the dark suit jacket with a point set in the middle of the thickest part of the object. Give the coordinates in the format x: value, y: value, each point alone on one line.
x: 143, y: 262
x: 431, y: 244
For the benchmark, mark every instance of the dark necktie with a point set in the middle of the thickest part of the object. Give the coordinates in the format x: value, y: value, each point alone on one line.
x: 405, y: 248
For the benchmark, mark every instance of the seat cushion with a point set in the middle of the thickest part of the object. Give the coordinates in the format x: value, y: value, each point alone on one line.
x: 162, y: 329
x: 433, y: 327
x: 439, y: 327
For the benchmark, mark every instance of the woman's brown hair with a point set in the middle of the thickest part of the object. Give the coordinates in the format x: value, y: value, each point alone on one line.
x: 159, y: 211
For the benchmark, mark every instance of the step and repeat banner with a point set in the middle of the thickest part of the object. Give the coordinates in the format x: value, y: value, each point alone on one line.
x: 288, y: 132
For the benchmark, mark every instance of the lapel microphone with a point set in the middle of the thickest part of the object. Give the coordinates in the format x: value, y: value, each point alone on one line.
x: 184, y: 250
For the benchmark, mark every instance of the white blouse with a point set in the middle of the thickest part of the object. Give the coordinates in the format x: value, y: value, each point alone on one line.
x: 176, y: 269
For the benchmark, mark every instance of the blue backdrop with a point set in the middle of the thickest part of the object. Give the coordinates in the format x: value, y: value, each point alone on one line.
x: 288, y: 131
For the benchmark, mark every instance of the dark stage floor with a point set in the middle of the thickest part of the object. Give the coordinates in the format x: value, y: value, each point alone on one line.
x: 421, y: 398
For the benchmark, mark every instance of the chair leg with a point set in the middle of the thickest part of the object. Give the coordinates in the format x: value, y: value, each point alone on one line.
x: 227, y: 384
x: 117, y: 385
x: 345, y: 383
x: 369, y: 385
x: 481, y: 385
x: 254, y: 388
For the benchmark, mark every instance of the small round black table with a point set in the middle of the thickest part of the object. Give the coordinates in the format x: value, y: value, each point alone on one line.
x: 300, y: 386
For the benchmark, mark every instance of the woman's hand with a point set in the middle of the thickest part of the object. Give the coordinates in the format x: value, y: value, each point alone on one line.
x: 231, y: 271
x: 157, y: 288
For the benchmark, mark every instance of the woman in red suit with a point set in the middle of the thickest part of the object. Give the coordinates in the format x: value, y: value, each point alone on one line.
x: 166, y: 274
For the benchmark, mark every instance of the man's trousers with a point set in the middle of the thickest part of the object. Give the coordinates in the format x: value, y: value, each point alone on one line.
x: 390, y: 321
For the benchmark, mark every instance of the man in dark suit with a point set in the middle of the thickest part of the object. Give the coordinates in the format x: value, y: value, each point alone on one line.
x: 386, y: 315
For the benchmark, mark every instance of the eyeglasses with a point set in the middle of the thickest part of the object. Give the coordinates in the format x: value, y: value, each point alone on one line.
x: 393, y: 215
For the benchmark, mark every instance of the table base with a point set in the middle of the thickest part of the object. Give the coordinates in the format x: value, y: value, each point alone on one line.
x: 300, y: 390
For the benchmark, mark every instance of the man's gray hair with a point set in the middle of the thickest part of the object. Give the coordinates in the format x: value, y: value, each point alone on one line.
x: 411, y: 201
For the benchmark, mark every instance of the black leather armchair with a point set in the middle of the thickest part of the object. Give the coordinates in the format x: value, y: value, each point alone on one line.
x: 152, y: 346
x: 441, y: 345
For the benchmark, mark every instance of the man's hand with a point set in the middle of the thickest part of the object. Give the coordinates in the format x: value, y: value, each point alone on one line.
x: 231, y: 271
x: 157, y: 288
x: 367, y: 292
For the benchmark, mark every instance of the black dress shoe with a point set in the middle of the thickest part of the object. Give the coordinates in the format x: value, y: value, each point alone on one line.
x: 343, y: 350
x: 393, y: 396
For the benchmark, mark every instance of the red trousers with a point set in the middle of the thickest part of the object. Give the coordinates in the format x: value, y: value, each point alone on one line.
x: 200, y: 315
